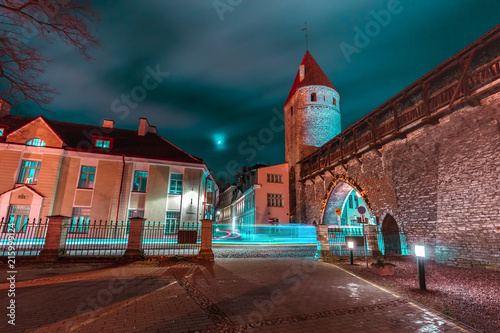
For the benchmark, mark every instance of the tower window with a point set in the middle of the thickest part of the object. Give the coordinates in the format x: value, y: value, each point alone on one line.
x: 313, y: 97
x: 334, y: 101
x: 291, y: 110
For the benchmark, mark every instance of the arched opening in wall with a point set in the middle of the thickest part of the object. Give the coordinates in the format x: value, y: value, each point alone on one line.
x: 346, y: 207
x: 346, y: 213
x: 391, y: 236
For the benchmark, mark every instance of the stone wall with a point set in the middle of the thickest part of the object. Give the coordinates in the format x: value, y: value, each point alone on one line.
x: 440, y: 183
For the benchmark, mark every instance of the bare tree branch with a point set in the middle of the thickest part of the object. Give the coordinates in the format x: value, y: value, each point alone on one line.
x: 22, y: 23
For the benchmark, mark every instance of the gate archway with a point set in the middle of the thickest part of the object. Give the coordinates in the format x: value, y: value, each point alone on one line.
x: 344, y: 193
x: 391, y: 236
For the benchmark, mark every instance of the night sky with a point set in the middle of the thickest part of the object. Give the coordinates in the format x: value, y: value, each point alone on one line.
x: 229, y: 67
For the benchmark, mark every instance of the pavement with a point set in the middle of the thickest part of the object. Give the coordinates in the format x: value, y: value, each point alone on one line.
x: 231, y: 295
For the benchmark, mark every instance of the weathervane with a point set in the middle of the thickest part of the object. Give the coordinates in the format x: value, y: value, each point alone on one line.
x: 305, y: 29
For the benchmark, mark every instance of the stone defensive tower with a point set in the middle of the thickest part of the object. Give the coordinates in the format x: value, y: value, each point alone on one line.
x: 312, y: 118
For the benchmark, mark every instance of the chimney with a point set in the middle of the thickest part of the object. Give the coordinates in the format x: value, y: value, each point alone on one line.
x: 152, y: 129
x: 108, y: 123
x: 302, y: 72
x: 143, y: 127
x: 4, y: 108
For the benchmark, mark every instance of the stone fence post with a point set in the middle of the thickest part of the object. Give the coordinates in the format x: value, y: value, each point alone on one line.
x: 371, y: 237
x: 133, y: 251
x: 55, y: 238
x: 323, y: 252
x: 206, y: 252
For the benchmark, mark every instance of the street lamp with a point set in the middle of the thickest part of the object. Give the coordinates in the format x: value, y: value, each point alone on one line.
x: 350, y: 244
x: 420, y: 253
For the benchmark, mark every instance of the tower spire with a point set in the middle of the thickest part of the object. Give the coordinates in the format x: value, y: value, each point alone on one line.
x: 305, y: 29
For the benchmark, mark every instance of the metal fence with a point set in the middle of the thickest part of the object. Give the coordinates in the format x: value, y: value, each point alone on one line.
x: 171, y: 238
x: 339, y: 236
x: 97, y: 238
x: 22, y: 237
x: 388, y: 243
x: 392, y: 243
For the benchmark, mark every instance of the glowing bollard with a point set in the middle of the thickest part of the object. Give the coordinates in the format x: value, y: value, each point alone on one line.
x: 420, y: 253
x: 351, y: 246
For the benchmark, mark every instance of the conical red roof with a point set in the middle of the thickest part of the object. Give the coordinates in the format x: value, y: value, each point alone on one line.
x: 314, y: 76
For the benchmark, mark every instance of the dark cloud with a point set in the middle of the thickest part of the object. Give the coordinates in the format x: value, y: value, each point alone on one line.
x: 225, y: 77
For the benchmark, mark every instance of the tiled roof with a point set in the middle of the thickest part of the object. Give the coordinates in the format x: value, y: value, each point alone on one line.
x: 127, y: 142
x: 314, y: 76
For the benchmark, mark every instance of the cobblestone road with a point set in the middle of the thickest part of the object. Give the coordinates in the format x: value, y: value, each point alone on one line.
x: 251, y: 295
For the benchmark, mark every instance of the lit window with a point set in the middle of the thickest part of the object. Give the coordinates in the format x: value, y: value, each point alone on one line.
x: 87, y: 177
x: 18, y: 218
x: 135, y: 213
x: 2, y: 130
x: 102, y: 143
x: 176, y: 183
x: 29, y: 172
x: 313, y: 97
x: 80, y: 220
x: 35, y: 142
x: 172, y: 220
x: 140, y: 181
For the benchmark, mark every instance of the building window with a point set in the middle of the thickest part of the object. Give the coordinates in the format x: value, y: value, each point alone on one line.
x: 18, y: 218
x: 103, y: 143
x: 135, y: 213
x: 2, y: 131
x: 172, y: 219
x: 313, y: 97
x: 140, y: 181
x: 334, y: 101
x: 176, y: 183
x: 35, y: 142
x: 274, y: 178
x: 350, y: 202
x: 29, y: 172
x: 87, y: 176
x: 274, y: 200
x: 80, y: 220
x: 291, y: 110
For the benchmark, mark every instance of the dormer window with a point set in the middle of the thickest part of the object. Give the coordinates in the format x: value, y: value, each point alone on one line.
x: 103, y: 143
x: 313, y: 97
x: 35, y: 142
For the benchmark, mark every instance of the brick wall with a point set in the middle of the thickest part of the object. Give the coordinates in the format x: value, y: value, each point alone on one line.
x: 440, y: 183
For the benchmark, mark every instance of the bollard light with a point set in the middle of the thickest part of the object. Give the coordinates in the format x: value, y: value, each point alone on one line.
x: 420, y: 254
x: 420, y: 251
x: 350, y: 244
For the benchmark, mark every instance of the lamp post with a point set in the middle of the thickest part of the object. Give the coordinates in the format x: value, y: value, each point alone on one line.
x: 420, y: 253
x: 350, y: 244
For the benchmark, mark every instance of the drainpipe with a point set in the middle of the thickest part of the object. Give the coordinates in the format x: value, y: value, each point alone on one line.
x: 121, y: 187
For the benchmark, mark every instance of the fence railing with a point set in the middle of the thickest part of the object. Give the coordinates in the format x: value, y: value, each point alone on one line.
x: 22, y: 237
x: 388, y: 243
x: 174, y: 238
x: 339, y: 236
x: 392, y: 243
x: 96, y: 238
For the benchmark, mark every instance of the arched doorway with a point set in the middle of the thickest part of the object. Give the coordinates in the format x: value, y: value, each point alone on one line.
x: 391, y: 236
x: 345, y: 205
